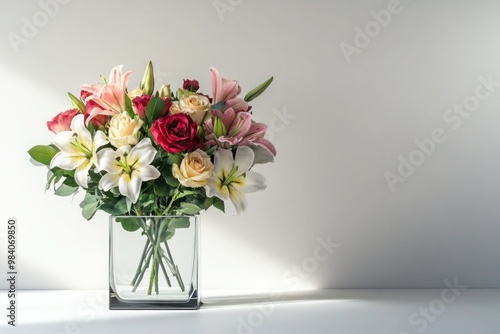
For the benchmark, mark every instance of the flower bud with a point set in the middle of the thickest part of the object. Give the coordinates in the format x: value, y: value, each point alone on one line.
x: 164, y: 91
x: 148, y: 81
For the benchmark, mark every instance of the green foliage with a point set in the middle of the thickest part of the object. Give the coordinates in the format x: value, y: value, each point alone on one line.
x: 43, y: 153
x: 154, y: 109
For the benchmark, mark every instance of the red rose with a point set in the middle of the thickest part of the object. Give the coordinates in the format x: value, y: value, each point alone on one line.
x: 176, y: 133
x: 139, y: 104
x: 62, y: 121
x: 191, y: 85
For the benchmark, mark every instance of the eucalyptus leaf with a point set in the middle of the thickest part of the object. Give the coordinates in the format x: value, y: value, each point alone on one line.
x: 89, y: 210
x: 189, y: 208
x: 121, y: 207
x: 129, y: 224
x: 68, y: 187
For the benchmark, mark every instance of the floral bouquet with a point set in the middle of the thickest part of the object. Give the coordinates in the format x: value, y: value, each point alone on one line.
x: 156, y: 153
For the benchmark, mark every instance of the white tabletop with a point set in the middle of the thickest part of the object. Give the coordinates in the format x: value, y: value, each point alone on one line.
x: 233, y: 312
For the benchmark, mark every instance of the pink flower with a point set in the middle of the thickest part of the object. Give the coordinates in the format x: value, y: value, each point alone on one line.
x: 223, y: 89
x: 98, y: 120
x: 110, y: 96
x: 139, y: 104
x: 238, y: 105
x: 229, y: 128
x: 62, y: 121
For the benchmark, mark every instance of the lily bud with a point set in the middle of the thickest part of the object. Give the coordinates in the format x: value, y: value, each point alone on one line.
x: 164, y: 91
x: 148, y: 80
x: 219, y: 128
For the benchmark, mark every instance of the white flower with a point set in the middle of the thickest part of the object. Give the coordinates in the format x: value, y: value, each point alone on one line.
x: 127, y: 168
x: 77, y: 149
x: 232, y: 179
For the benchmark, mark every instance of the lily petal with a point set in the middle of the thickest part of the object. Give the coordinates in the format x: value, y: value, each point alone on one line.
x: 239, y: 200
x: 244, y: 159
x: 67, y: 161
x: 223, y: 162
x: 149, y: 173
x: 130, y: 186
x: 254, y: 182
x: 82, y: 172
x: 109, y: 181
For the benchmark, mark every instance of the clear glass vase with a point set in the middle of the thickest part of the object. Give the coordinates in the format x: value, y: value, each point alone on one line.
x: 153, y: 262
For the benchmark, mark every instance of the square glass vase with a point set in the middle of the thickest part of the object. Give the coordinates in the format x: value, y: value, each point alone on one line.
x: 153, y: 262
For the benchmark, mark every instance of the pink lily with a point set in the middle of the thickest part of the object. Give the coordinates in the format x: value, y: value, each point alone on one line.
x: 109, y: 97
x: 229, y: 128
x: 238, y: 105
x: 223, y: 89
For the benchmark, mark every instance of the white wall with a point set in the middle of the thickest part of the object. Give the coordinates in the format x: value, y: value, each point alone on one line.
x: 346, y: 124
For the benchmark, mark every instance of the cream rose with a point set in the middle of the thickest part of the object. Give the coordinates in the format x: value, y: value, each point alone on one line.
x: 195, y: 106
x: 124, y: 130
x: 195, y: 169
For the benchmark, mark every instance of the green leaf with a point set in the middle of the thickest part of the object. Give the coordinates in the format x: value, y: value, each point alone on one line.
x: 122, y: 206
x: 175, y: 159
x: 128, y: 107
x: 68, y: 187
x: 189, y: 208
x: 77, y: 103
x: 178, y: 222
x: 161, y: 187
x: 218, y: 106
x: 43, y: 153
x: 89, y: 206
x: 208, y: 202
x: 254, y: 93
x: 171, y: 181
x: 183, y: 93
x: 219, y: 204
x: 129, y: 224
x: 154, y: 109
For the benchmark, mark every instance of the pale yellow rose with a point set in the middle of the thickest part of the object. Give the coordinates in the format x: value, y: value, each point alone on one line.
x: 135, y: 93
x: 195, y: 169
x: 124, y: 130
x: 195, y: 106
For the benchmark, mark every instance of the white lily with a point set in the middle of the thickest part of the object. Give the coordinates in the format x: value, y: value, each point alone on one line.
x: 127, y: 168
x: 232, y: 179
x: 77, y: 149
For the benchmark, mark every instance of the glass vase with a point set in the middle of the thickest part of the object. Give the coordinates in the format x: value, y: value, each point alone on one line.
x: 153, y: 262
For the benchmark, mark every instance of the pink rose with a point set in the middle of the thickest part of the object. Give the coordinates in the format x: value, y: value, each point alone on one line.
x: 139, y: 104
x: 62, y: 121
